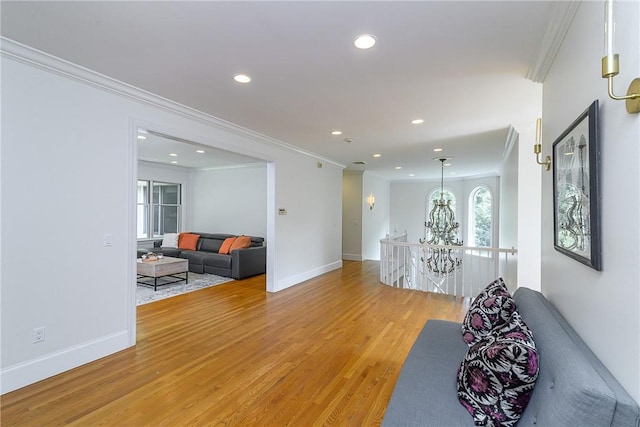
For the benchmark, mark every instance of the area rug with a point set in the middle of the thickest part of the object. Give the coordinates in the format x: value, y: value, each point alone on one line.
x: 146, y: 294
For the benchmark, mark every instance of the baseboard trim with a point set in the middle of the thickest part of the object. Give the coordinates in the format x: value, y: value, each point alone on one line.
x: 299, y: 278
x: 352, y: 257
x: 32, y: 371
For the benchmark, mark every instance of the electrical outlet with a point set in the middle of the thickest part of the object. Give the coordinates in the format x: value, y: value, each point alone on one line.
x: 38, y: 334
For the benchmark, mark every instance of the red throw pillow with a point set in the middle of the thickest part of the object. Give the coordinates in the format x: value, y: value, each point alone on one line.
x: 226, y: 245
x: 241, y: 243
x: 188, y: 241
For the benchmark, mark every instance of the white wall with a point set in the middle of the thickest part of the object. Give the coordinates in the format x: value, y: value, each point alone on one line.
x: 604, y: 307
x: 69, y: 173
x: 164, y: 173
x: 352, y: 202
x: 375, y: 222
x: 67, y: 169
x: 409, y: 205
x: 229, y: 200
x: 309, y: 235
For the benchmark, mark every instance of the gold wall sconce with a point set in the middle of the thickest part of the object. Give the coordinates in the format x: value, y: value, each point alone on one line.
x: 537, y: 148
x: 371, y: 200
x: 611, y: 63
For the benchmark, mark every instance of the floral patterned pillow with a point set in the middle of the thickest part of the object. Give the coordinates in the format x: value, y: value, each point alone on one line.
x: 498, y: 374
x: 492, y: 307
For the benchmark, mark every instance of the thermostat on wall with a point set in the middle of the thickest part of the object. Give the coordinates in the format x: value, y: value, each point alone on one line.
x: 282, y: 211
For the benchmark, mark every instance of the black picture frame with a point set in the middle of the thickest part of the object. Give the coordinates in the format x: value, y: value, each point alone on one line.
x: 576, y: 190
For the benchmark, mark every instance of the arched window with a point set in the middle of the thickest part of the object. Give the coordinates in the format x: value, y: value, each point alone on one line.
x: 481, y: 218
x: 435, y: 196
x: 432, y: 201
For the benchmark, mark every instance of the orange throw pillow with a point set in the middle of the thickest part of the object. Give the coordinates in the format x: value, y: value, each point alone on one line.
x: 226, y: 245
x: 188, y: 241
x: 241, y: 243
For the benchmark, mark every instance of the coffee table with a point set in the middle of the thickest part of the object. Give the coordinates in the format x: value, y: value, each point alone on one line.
x: 164, y: 267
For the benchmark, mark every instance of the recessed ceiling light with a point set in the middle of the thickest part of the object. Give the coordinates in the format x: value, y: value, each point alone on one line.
x: 364, y: 41
x: 336, y: 132
x: 417, y: 121
x: 398, y: 167
x: 142, y: 137
x: 377, y: 155
x: 174, y: 162
x: 412, y: 174
x: 242, y: 78
x: 200, y: 151
x: 437, y: 150
x: 447, y: 164
x: 173, y: 155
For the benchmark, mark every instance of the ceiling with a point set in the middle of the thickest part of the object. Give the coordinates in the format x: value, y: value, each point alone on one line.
x: 156, y: 147
x: 461, y: 66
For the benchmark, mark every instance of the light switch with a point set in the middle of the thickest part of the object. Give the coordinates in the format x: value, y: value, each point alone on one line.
x: 108, y: 239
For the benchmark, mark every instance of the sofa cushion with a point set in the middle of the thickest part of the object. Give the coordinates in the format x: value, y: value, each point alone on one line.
x: 573, y: 387
x: 425, y: 393
x: 169, y: 240
x: 194, y: 257
x: 492, y: 307
x: 217, y: 260
x: 498, y: 374
x: 209, y: 244
x: 241, y: 242
x: 226, y: 245
x: 188, y: 241
x: 257, y: 241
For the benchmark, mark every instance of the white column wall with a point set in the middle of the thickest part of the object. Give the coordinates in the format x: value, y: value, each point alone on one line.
x: 508, y: 236
x: 529, y: 214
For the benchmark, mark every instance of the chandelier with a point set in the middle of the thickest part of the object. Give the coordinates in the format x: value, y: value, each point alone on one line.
x: 441, y: 228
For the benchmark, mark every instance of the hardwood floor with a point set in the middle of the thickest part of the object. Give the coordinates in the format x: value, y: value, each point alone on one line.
x: 326, y: 352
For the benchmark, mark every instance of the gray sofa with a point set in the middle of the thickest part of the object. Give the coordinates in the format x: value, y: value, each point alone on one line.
x: 239, y: 264
x: 573, y: 387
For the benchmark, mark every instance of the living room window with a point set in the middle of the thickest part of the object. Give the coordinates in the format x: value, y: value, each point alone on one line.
x: 158, y: 208
x: 480, y: 218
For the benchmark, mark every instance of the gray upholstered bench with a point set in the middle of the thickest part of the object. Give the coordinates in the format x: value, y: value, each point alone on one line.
x: 573, y: 387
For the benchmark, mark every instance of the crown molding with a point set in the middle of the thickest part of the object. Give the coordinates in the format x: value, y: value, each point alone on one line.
x: 227, y: 167
x: 562, y: 13
x: 188, y: 169
x: 44, y: 61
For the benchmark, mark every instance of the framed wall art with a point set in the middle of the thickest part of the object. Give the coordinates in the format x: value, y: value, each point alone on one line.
x: 576, y: 190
